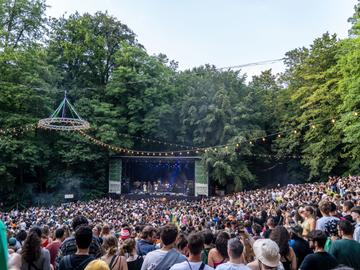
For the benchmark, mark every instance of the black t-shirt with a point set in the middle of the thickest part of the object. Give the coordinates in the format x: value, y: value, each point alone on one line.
x: 319, y: 261
x: 78, y: 262
x: 301, y: 249
x: 136, y: 264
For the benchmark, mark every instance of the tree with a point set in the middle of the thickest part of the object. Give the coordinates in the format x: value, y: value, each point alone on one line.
x: 22, y: 22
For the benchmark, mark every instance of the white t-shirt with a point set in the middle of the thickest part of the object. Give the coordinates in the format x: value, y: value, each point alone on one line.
x: 193, y: 266
x: 232, y: 266
x: 153, y: 258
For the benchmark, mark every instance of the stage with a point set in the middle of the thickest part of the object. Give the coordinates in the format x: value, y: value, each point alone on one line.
x: 180, y: 176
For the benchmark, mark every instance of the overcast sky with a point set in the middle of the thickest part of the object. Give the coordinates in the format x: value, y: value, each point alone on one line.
x: 223, y: 33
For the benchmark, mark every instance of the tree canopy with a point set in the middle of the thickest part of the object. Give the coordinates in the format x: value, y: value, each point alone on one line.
x: 120, y: 89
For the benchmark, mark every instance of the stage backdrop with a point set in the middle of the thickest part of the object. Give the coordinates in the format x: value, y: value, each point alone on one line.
x: 201, y: 179
x: 115, y: 170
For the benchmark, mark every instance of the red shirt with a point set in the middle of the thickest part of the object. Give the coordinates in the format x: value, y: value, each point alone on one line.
x: 53, y: 249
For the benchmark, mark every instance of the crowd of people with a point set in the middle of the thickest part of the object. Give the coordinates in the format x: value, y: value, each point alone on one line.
x: 307, y: 226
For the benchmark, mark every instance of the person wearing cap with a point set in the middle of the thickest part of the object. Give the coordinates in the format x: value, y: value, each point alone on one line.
x: 320, y: 260
x: 267, y: 254
x: 14, y: 259
x: 124, y: 234
x: 298, y: 243
x: 355, y: 214
x: 235, y: 250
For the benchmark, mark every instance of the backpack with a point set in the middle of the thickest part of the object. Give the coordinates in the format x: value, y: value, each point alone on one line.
x: 68, y: 265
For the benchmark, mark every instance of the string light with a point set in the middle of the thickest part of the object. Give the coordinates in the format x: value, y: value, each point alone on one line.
x: 21, y: 130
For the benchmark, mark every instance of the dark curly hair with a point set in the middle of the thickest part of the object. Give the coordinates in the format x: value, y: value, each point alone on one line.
x: 31, y: 249
x: 221, y: 244
x: 281, y: 236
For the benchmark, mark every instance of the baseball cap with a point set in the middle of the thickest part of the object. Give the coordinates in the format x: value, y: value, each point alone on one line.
x: 267, y: 252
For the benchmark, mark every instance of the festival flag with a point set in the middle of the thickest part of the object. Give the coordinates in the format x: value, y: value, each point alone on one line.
x: 3, y: 246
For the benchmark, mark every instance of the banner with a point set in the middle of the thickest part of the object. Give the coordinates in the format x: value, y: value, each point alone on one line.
x: 201, y: 179
x: 115, y: 171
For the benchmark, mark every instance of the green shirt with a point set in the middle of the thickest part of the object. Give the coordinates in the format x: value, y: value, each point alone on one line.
x: 346, y: 252
x: 3, y: 246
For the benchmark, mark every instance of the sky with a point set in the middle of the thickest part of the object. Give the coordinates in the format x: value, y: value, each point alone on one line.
x: 222, y: 33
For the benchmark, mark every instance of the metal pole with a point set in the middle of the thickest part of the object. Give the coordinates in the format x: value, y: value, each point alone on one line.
x: 63, y: 110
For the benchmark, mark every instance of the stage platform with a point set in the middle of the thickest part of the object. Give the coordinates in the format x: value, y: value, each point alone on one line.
x: 156, y: 196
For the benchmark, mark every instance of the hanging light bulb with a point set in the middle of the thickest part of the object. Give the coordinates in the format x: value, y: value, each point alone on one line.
x: 333, y: 120
x: 263, y: 139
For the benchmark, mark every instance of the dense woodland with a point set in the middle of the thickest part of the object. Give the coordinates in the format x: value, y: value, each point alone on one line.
x: 120, y: 89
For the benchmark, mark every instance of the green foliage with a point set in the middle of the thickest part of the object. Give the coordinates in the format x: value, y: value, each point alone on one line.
x: 119, y: 88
